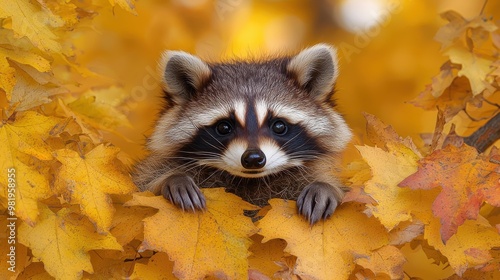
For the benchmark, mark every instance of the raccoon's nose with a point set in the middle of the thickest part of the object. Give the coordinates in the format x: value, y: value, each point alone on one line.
x: 253, y: 159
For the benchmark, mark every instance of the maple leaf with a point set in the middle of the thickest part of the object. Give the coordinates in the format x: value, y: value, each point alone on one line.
x: 66, y: 10
x: 22, y: 137
x: 32, y: 185
x: 467, y: 180
x: 99, y: 112
x: 8, y: 73
x: 451, y: 101
x: 158, y: 267
x: 27, y: 94
x: 331, y: 244
x: 387, y: 260
x: 26, y: 134
x: 89, y: 179
x: 214, y: 242
x: 393, y: 204
x: 469, y: 247
x: 265, y: 255
x: 127, y: 223
x: 29, y: 21
x: 474, y: 67
x: 62, y: 241
x: 382, y: 135
x: 450, y: 33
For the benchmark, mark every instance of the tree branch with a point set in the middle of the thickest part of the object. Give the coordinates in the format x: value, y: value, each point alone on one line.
x: 486, y: 135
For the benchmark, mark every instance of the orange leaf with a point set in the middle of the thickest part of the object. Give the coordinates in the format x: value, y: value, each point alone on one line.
x: 469, y: 247
x: 387, y: 260
x: 89, y: 179
x: 326, y: 250
x: 467, y: 180
x: 214, y: 242
x: 393, y: 204
x: 381, y: 134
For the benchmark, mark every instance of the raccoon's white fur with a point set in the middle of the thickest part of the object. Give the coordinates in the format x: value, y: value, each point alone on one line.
x: 262, y: 129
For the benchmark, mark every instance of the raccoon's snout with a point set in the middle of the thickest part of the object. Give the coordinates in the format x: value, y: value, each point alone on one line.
x: 253, y: 159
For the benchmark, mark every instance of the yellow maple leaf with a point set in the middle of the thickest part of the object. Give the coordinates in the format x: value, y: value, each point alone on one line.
x: 100, y: 112
x: 8, y: 73
x: 64, y: 9
x: 31, y: 186
x: 158, y: 267
x: 30, y: 21
x: 469, y: 247
x: 127, y: 222
x: 328, y: 249
x: 62, y: 240
x: 89, y: 179
x: 26, y: 134
x: 394, y: 204
x: 214, y: 242
x: 27, y: 94
x: 474, y: 67
x: 265, y: 255
x: 387, y: 260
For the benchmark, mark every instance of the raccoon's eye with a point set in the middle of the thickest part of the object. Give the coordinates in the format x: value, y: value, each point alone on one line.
x: 223, y: 128
x: 279, y: 127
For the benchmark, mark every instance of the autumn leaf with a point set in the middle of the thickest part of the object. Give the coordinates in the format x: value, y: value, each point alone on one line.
x: 89, y: 179
x: 393, y: 204
x: 387, y: 260
x: 449, y: 34
x: 98, y: 112
x: 27, y: 94
x: 474, y: 67
x: 467, y: 180
x: 469, y: 247
x: 127, y: 223
x: 22, y: 139
x: 266, y: 255
x: 333, y: 244
x: 214, y: 242
x: 26, y: 134
x: 451, y: 100
x: 62, y: 241
x: 382, y: 135
x: 8, y: 73
x: 158, y: 267
x: 32, y: 22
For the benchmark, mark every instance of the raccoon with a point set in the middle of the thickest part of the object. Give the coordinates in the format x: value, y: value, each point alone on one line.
x: 261, y: 129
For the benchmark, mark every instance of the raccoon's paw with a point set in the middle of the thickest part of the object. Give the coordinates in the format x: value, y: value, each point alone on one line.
x: 317, y: 201
x: 182, y: 191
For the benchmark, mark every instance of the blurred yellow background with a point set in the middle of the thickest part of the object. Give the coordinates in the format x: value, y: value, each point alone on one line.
x: 386, y: 49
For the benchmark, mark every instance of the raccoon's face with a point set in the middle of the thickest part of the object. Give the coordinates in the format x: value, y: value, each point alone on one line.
x: 251, y: 119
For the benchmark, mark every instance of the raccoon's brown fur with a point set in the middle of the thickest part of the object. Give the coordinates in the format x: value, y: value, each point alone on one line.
x: 261, y: 129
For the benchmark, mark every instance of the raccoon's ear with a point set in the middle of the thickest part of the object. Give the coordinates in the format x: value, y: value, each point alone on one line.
x: 183, y: 75
x: 316, y: 70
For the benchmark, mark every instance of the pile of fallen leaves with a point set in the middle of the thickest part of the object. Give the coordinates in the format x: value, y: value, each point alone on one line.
x: 79, y: 215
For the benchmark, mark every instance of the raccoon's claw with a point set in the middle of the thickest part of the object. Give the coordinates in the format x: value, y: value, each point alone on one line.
x: 182, y: 191
x: 317, y: 201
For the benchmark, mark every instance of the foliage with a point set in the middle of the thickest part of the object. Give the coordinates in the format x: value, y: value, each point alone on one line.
x: 79, y: 215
